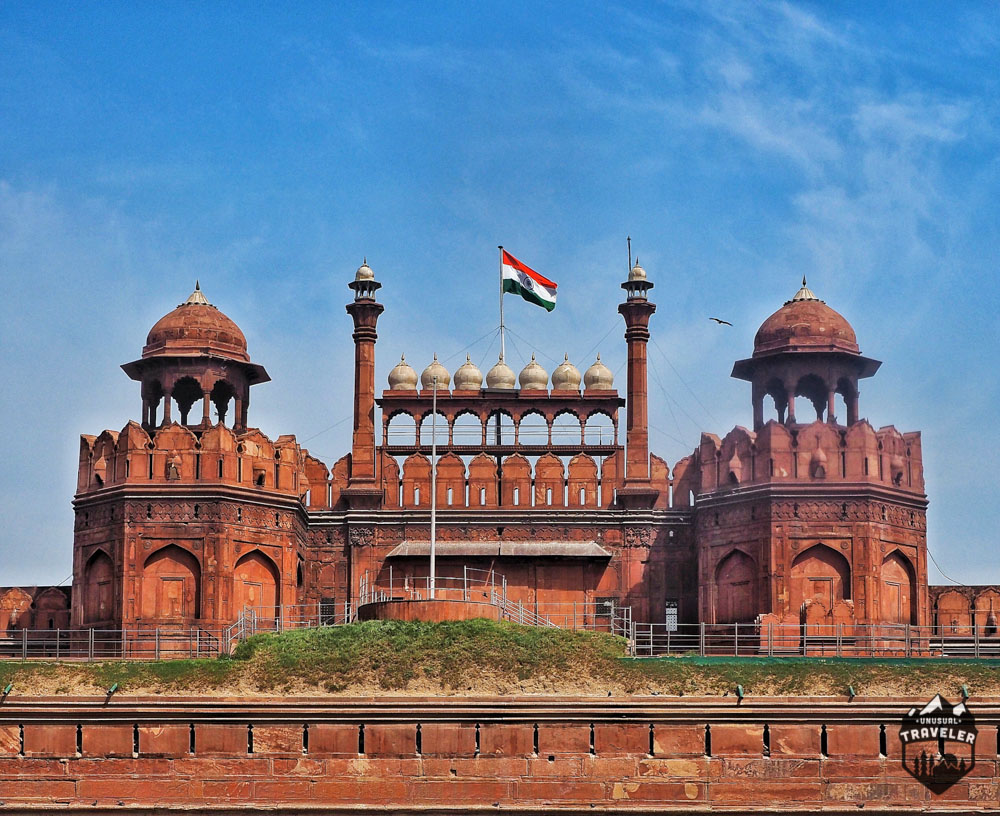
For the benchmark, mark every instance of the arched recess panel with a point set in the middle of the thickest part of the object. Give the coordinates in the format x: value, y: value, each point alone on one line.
x: 171, y: 585
x: 256, y: 585
x: 899, y: 589
x: 736, y: 589
x: 953, y: 614
x: 819, y: 574
x: 97, y: 588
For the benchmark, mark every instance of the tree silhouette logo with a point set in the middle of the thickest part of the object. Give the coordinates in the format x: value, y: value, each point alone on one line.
x: 939, y: 743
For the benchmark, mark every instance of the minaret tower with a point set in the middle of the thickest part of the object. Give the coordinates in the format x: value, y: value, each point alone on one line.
x: 637, y: 491
x: 363, y: 490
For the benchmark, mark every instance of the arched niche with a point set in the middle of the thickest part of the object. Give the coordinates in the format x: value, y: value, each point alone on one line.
x: 256, y: 585
x: 171, y: 585
x: 819, y: 574
x: 898, y: 590
x: 953, y: 613
x: 736, y: 589
x: 51, y: 609
x: 98, y: 594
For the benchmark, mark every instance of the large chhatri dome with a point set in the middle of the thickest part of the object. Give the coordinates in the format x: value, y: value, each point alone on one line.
x: 805, y: 323
x: 196, y: 328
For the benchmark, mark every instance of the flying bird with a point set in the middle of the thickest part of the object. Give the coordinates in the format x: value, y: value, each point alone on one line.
x: 721, y: 322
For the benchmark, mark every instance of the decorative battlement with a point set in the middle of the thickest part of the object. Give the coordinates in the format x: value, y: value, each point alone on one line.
x: 815, y: 454
x: 176, y: 455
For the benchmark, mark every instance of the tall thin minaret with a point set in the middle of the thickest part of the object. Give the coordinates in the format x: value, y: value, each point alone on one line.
x: 363, y: 490
x: 637, y: 491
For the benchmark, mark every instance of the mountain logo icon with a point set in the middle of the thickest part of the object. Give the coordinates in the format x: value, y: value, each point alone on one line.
x: 939, y: 743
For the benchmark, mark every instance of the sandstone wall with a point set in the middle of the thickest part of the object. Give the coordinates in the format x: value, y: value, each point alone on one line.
x: 517, y: 755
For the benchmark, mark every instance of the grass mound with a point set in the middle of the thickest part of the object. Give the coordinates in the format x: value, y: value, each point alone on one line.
x: 486, y: 657
x: 394, y: 655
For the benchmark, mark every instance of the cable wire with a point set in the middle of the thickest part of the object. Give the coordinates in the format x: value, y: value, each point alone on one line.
x: 943, y: 573
x: 679, y: 377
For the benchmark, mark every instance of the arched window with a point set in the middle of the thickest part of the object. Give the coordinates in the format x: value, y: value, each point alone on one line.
x: 467, y: 430
x: 566, y: 429
x: 222, y: 394
x: 401, y: 430
x: 599, y: 430
x: 429, y: 429
x: 186, y: 393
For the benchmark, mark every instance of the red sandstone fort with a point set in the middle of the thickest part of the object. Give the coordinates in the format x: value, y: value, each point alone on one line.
x: 810, y: 516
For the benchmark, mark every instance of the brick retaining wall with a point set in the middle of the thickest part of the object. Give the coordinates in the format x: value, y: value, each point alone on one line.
x: 438, y: 755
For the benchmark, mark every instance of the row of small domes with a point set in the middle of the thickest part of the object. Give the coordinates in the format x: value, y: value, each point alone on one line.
x: 533, y: 377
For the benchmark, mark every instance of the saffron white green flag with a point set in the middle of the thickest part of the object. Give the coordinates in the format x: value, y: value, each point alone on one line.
x: 522, y: 280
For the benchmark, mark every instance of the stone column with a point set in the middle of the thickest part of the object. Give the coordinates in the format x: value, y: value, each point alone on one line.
x: 831, y: 406
x: 790, y: 418
x: 758, y: 405
x: 206, y: 411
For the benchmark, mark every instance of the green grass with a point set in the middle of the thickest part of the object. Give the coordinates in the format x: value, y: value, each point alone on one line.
x: 490, y: 657
x: 455, y: 655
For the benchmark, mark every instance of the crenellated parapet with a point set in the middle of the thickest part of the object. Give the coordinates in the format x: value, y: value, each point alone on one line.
x: 175, y: 455
x: 814, y: 454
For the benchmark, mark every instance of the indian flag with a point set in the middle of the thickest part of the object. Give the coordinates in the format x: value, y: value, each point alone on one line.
x: 522, y: 280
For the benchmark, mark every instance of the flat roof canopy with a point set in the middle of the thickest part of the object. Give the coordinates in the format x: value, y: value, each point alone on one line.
x: 501, y: 549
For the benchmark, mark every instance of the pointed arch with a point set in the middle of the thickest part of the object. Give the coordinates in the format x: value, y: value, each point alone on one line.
x: 898, y: 590
x: 821, y: 574
x: 171, y: 585
x: 736, y: 588
x: 98, y: 594
x: 256, y: 585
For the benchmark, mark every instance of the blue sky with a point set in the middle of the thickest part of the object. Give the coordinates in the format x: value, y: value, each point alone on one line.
x: 265, y: 149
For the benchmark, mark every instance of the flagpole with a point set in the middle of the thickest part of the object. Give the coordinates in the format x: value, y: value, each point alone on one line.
x: 503, y: 348
x: 433, y: 484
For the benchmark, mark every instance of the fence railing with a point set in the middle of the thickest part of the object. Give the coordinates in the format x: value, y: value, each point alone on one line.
x: 472, y: 585
x: 645, y: 639
x: 812, y: 640
x: 144, y: 643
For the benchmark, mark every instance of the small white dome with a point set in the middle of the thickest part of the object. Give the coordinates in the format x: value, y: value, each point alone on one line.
x: 566, y: 377
x: 468, y: 377
x: 598, y: 377
x: 364, y: 272
x: 500, y: 376
x: 533, y: 377
x: 402, y: 377
x: 435, y: 369
x: 637, y: 273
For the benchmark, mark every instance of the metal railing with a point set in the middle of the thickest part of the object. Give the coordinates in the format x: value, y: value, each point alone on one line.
x: 645, y: 639
x: 139, y: 643
x: 472, y: 585
x: 812, y: 640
